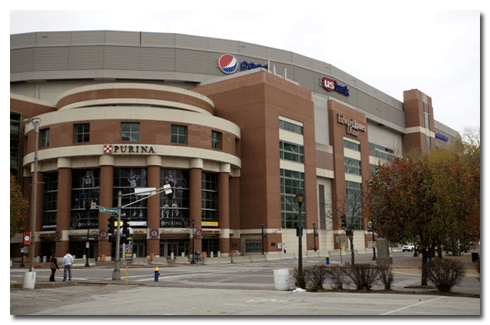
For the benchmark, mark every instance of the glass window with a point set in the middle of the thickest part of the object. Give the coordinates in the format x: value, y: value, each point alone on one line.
x: 50, y: 201
x: 82, y: 133
x: 352, y: 166
x: 174, y: 213
x: 178, y: 134
x: 209, y: 196
x: 130, y: 132
x: 292, y: 182
x: 215, y: 140
x: 14, y: 139
x: 352, y: 145
x: 353, y: 205
x: 45, y: 138
x: 380, y: 151
x: 292, y: 152
x: 126, y: 180
x: 290, y: 127
x: 426, y: 120
x: 85, y: 188
x: 427, y: 141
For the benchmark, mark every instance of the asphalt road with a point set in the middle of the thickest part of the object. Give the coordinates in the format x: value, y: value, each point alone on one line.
x: 228, y: 289
x: 143, y: 300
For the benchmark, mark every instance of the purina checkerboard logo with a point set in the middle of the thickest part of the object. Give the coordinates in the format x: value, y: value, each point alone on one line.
x: 107, y: 148
x: 228, y: 64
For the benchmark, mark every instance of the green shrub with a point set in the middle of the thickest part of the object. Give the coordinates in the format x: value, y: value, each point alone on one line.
x: 364, y: 276
x: 445, y: 274
x: 337, y: 276
x: 315, y: 277
x: 386, y: 275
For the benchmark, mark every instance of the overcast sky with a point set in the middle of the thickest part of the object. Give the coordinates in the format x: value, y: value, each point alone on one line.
x: 390, y: 48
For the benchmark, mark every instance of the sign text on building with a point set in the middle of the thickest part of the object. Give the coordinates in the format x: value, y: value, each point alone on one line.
x: 442, y: 137
x: 353, y: 127
x: 331, y: 85
x: 109, y: 148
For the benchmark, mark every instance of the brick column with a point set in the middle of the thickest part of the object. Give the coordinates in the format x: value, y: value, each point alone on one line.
x: 153, y: 211
x: 195, y: 175
x: 64, y: 207
x: 224, y: 208
x: 106, y: 199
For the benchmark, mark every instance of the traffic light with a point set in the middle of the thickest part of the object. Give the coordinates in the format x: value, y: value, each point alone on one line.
x: 124, y: 240
x: 343, y: 221
x: 125, y: 228
x: 112, y: 220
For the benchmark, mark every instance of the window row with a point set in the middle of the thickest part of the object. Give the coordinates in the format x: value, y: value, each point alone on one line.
x: 130, y: 132
x: 352, y: 166
x: 174, y: 211
x: 290, y: 127
x: 292, y: 152
x: 352, y: 145
x: 380, y: 151
x: 353, y: 205
x: 292, y: 182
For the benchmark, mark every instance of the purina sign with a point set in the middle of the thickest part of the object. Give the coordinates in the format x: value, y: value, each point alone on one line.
x: 118, y: 149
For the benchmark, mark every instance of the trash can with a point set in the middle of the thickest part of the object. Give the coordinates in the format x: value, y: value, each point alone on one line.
x: 474, y: 256
x: 281, y: 279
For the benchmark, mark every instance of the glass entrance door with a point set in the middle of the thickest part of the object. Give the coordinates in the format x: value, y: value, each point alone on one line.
x: 139, y: 248
x: 176, y: 246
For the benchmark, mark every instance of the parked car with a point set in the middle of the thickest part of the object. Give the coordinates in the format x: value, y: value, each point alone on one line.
x: 408, y: 247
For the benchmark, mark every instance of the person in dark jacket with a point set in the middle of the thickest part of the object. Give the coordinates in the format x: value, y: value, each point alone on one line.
x: 53, y: 266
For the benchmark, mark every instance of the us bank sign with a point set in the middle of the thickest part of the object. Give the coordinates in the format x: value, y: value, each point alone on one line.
x: 118, y: 148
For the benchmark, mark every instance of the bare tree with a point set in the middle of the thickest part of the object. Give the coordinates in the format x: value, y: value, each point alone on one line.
x: 350, y: 206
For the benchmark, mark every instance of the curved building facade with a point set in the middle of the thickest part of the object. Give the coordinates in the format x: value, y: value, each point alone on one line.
x: 234, y: 128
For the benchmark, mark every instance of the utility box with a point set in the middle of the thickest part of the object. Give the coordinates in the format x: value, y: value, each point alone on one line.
x: 383, y: 257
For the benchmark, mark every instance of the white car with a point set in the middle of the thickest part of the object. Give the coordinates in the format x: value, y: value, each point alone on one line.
x: 408, y: 247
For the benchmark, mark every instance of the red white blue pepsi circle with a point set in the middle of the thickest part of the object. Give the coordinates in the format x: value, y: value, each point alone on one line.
x: 228, y: 64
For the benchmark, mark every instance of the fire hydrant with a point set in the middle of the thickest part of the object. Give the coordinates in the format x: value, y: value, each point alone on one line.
x: 157, y: 274
x: 327, y: 259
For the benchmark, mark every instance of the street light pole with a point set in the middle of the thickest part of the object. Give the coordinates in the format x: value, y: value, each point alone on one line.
x: 30, y: 277
x: 87, y: 209
x: 300, y: 197
x: 314, y: 237
x: 193, y: 261
x: 262, y: 232
x: 116, y: 274
x: 35, y: 123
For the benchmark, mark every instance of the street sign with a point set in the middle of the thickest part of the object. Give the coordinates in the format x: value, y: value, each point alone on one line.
x: 27, y: 238
x: 108, y: 210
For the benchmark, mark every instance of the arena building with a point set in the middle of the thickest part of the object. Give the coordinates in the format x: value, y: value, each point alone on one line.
x: 236, y: 129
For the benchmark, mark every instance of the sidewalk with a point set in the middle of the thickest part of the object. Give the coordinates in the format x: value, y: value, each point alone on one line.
x: 408, y: 262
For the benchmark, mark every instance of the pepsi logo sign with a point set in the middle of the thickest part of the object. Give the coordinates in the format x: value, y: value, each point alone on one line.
x: 228, y: 64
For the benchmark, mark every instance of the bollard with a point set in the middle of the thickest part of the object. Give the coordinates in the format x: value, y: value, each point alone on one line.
x: 327, y: 259
x: 157, y: 274
x: 127, y: 270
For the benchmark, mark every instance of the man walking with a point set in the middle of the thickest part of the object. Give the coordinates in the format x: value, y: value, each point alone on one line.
x: 67, y: 261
